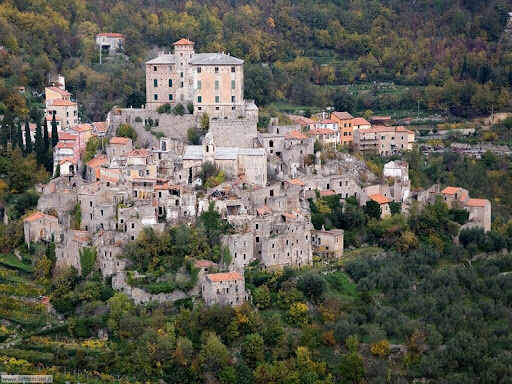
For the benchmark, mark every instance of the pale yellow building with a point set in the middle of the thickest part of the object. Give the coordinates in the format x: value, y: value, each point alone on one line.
x: 212, y: 82
x: 385, y: 141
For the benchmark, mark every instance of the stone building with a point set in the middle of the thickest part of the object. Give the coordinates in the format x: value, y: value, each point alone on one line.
x: 385, y: 141
x: 224, y: 289
x: 328, y: 244
x: 110, y: 43
x: 250, y: 163
x: 241, y: 249
x: 383, y: 202
x: 41, y: 227
x: 479, y: 212
x: 212, y: 82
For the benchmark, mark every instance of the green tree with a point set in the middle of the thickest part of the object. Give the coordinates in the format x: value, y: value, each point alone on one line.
x: 126, y: 130
x: 351, y: 368
x: 21, y: 172
x: 213, y: 355
x: 372, y: 209
x: 19, y: 136
x: 205, y: 122
x: 5, y: 128
x: 28, y: 139
x: 261, y: 297
x: 41, y: 151
x: 46, y: 137
x: 312, y: 285
x: 55, y: 133
x: 252, y: 349
x: 343, y: 100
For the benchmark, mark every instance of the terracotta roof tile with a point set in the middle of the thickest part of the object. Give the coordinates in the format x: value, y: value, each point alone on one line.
x: 342, y: 115
x: 381, y: 199
x: 360, y: 121
x: 321, y: 131
x: 183, y: 42
x: 296, y: 135
x: 59, y: 91
x: 296, y: 181
x: 97, y: 161
x: 450, y: 190
x: 70, y: 159
x: 327, y: 193
x: 109, y: 34
x: 62, y: 103
x: 476, y: 202
x: 204, y: 264
x: 217, y: 277
x: 119, y: 140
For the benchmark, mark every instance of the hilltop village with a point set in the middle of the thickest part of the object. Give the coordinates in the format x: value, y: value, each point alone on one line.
x: 269, y: 177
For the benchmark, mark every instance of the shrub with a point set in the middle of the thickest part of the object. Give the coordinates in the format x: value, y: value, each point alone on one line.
x: 179, y: 110
x: 164, y: 108
x: 138, y: 119
x: 190, y: 108
x: 381, y: 348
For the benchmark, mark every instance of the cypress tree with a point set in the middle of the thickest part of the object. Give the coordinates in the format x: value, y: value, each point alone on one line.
x: 5, y: 128
x: 55, y: 134
x: 46, y: 137
x: 39, y: 145
x: 19, y: 137
x: 28, y: 140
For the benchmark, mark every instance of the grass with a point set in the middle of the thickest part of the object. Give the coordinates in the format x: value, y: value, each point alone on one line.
x: 9, y: 260
x: 340, y: 283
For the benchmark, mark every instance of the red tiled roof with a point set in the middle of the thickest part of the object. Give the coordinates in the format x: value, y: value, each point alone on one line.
x: 38, y: 215
x: 59, y: 91
x: 100, y: 126
x: 321, y: 131
x: 109, y: 34
x: 137, y: 152
x: 342, y: 115
x: 67, y: 136
x: 296, y: 135
x: 289, y: 215
x: 296, y: 181
x: 161, y: 186
x: 264, y: 210
x: 381, y: 199
x: 327, y: 193
x: 328, y: 121
x: 119, y: 140
x: 386, y: 129
x: 61, y: 103
x: 381, y: 118
x: 204, y: 264
x: 97, y: 161
x: 476, y: 202
x: 60, y: 145
x: 463, y: 196
x: 450, y: 190
x: 67, y: 159
x: 216, y: 277
x: 82, y: 128
x: 360, y: 121
x: 184, y: 42
x: 303, y: 120
x: 35, y: 216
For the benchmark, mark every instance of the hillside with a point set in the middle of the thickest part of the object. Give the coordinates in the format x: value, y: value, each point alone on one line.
x: 448, y: 56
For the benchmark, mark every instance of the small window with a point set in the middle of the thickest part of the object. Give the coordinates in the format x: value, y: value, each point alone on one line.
x: 233, y: 84
x: 90, y: 203
x: 232, y: 69
x: 170, y: 96
x: 198, y: 84
x: 155, y: 97
x: 257, y: 226
x: 216, y: 69
x: 181, y: 85
x: 133, y: 225
x: 199, y: 99
x: 154, y: 68
x: 198, y: 69
x: 217, y: 98
x: 217, y: 108
x: 257, y: 239
x: 216, y: 85
x: 232, y: 99
x: 170, y: 68
x: 170, y: 82
x: 155, y: 82
x: 181, y: 74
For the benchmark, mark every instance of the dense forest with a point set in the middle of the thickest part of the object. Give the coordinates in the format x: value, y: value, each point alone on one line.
x: 448, y: 56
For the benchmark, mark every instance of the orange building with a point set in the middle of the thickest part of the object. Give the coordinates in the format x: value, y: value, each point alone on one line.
x: 344, y: 120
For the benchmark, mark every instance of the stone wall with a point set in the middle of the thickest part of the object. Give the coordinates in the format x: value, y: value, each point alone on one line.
x: 234, y: 132
x: 140, y: 296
